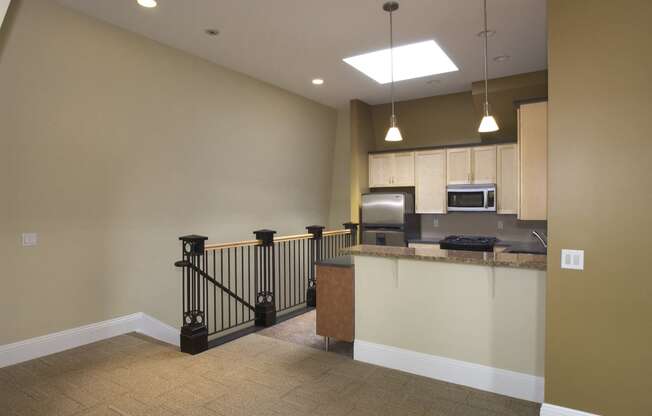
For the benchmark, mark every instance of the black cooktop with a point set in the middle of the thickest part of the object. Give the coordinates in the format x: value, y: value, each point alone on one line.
x: 468, y: 242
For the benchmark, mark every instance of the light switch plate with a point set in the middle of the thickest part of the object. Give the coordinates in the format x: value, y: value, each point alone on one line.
x: 501, y: 225
x: 30, y: 239
x: 572, y: 259
x: 435, y: 222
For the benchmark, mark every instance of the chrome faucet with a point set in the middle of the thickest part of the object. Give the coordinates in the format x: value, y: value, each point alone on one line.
x: 543, y: 242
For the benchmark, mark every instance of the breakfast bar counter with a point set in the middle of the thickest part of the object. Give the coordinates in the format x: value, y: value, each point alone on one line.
x: 495, y: 259
x: 466, y: 317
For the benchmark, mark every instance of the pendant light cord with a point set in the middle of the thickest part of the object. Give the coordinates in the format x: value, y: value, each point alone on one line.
x: 486, y: 76
x: 391, y: 63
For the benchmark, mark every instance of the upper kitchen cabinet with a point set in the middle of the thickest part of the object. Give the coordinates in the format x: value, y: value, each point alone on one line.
x: 467, y: 165
x: 430, y: 181
x: 507, y: 178
x: 458, y: 166
x: 533, y: 160
x: 391, y: 169
x: 403, y: 169
x: 380, y: 170
x: 484, y: 164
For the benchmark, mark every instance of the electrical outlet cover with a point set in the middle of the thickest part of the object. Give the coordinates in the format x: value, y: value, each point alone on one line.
x: 30, y: 239
x: 572, y: 259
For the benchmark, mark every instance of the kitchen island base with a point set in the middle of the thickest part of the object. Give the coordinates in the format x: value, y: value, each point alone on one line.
x: 471, y: 324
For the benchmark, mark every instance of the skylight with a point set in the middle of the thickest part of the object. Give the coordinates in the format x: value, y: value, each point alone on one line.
x: 415, y: 60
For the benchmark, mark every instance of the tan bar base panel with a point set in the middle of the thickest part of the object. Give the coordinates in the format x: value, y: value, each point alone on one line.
x: 497, y: 259
x: 457, y: 319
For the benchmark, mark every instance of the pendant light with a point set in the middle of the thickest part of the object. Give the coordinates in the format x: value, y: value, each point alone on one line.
x: 488, y: 123
x: 393, y: 134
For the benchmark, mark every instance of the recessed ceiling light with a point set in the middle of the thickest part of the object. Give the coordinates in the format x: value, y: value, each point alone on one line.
x: 148, y: 3
x: 489, y: 32
x: 212, y: 32
x: 317, y: 81
x: 415, y: 60
x: 502, y: 58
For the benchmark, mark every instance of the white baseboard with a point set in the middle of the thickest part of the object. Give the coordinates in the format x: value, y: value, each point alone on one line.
x: 552, y: 410
x: 32, y: 348
x: 156, y: 329
x: 496, y: 380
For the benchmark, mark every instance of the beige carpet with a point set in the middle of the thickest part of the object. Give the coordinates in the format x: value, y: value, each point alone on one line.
x: 256, y: 375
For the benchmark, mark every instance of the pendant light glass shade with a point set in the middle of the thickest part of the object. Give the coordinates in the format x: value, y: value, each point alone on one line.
x: 488, y: 123
x: 393, y: 134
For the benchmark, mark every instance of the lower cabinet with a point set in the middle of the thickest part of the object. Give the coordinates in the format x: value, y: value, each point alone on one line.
x: 430, y: 182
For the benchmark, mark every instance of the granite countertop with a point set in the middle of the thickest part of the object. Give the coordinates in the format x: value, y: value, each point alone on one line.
x: 341, y: 261
x: 530, y: 246
x: 520, y: 261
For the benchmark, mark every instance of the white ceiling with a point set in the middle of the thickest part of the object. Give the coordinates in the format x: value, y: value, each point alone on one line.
x: 289, y: 42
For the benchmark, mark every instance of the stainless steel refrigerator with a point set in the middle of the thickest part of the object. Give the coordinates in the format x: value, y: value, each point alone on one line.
x: 388, y: 218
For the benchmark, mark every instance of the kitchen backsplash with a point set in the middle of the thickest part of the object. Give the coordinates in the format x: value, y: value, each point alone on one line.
x: 505, y: 227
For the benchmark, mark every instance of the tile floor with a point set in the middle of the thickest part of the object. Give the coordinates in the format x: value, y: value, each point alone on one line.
x: 131, y: 375
x: 302, y: 330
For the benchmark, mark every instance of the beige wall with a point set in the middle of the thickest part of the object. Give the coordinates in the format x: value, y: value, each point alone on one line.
x: 362, y: 142
x: 340, y: 202
x: 112, y: 146
x: 599, y: 336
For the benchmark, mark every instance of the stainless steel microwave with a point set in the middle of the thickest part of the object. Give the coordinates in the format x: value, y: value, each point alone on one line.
x: 472, y: 197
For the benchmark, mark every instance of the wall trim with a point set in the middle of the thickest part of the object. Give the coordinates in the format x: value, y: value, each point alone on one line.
x: 552, y: 410
x: 32, y: 348
x: 496, y: 380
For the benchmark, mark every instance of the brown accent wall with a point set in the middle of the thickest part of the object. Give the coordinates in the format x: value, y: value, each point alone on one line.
x: 432, y: 121
x: 599, y: 321
x: 362, y: 138
x: 503, y: 92
x: 454, y: 118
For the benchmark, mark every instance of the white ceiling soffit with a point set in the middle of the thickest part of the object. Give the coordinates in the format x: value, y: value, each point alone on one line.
x: 289, y: 42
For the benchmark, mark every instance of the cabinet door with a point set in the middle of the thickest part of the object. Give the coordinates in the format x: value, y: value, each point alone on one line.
x: 430, y: 182
x: 403, y: 169
x: 484, y: 164
x: 533, y: 161
x: 458, y: 166
x: 507, y: 178
x: 380, y: 170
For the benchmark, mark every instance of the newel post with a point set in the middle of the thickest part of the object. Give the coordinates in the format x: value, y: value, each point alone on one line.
x: 265, y: 268
x: 354, y: 232
x: 194, y: 333
x: 317, y: 232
